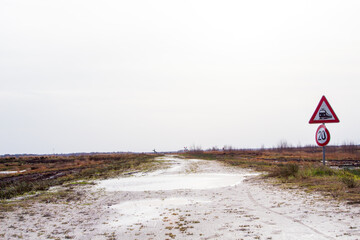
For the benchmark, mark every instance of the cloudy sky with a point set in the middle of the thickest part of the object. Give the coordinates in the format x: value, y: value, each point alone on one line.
x: 87, y: 76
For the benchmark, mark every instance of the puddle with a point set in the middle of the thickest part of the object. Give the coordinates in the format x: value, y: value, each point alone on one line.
x: 147, y: 210
x: 172, y: 182
x: 151, y: 211
x: 12, y: 172
x: 172, y: 178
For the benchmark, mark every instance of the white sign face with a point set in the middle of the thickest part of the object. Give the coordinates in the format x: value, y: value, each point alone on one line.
x: 324, y: 113
x: 322, y: 136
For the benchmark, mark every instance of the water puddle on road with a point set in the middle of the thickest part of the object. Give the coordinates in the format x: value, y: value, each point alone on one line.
x: 172, y: 178
x: 172, y: 182
x: 12, y: 172
x: 151, y: 211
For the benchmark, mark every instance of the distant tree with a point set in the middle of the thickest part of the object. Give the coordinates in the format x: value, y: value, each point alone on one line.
x: 195, y: 148
x: 282, y: 145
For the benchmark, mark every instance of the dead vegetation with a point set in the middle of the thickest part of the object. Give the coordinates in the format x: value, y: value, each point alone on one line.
x: 42, y: 172
x: 300, y: 167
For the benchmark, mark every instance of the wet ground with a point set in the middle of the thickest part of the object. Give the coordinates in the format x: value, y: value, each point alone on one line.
x: 178, y: 176
x: 192, y: 199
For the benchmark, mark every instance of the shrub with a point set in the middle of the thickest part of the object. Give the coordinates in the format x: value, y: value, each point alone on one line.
x: 285, y: 171
x: 349, y: 181
x: 322, y: 171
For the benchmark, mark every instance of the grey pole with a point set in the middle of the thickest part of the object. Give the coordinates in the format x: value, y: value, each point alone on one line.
x: 324, y: 152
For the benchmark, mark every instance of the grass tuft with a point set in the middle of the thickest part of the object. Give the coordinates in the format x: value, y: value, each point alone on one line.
x: 349, y: 181
x: 285, y: 171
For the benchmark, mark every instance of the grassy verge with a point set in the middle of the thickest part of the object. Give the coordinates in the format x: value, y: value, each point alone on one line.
x: 44, y: 172
x: 295, y: 169
x: 340, y: 184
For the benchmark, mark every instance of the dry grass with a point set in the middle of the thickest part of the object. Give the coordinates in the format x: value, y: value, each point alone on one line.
x: 43, y: 172
x: 300, y: 167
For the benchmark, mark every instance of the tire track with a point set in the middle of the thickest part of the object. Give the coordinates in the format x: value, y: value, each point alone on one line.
x: 285, y: 216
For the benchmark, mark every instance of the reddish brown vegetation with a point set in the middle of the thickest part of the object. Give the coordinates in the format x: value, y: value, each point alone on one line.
x: 41, y: 172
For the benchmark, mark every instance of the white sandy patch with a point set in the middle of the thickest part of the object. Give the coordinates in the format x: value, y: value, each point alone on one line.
x: 132, y: 212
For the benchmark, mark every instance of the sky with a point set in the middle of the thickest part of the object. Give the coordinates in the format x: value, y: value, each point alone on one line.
x: 108, y: 76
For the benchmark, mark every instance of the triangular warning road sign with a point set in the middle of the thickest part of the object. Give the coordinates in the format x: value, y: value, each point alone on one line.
x: 324, y: 113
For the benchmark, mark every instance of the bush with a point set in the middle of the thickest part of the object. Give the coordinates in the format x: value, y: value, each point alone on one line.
x: 19, y: 188
x: 349, y: 181
x: 354, y: 171
x: 285, y: 171
x: 322, y: 171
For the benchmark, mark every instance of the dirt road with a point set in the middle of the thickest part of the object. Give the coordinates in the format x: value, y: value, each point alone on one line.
x: 192, y: 199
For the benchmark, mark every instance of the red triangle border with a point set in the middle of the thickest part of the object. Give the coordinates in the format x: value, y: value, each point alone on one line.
x: 312, y: 119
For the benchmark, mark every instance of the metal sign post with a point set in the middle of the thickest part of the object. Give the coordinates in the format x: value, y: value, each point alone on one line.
x: 323, y: 114
x: 322, y: 138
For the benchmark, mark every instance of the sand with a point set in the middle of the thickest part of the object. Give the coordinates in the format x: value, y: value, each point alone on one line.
x: 193, y: 199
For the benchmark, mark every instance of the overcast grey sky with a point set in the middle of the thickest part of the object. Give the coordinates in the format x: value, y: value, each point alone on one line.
x: 84, y: 76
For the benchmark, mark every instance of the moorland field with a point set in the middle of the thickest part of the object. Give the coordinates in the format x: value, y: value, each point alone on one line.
x: 293, y: 167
